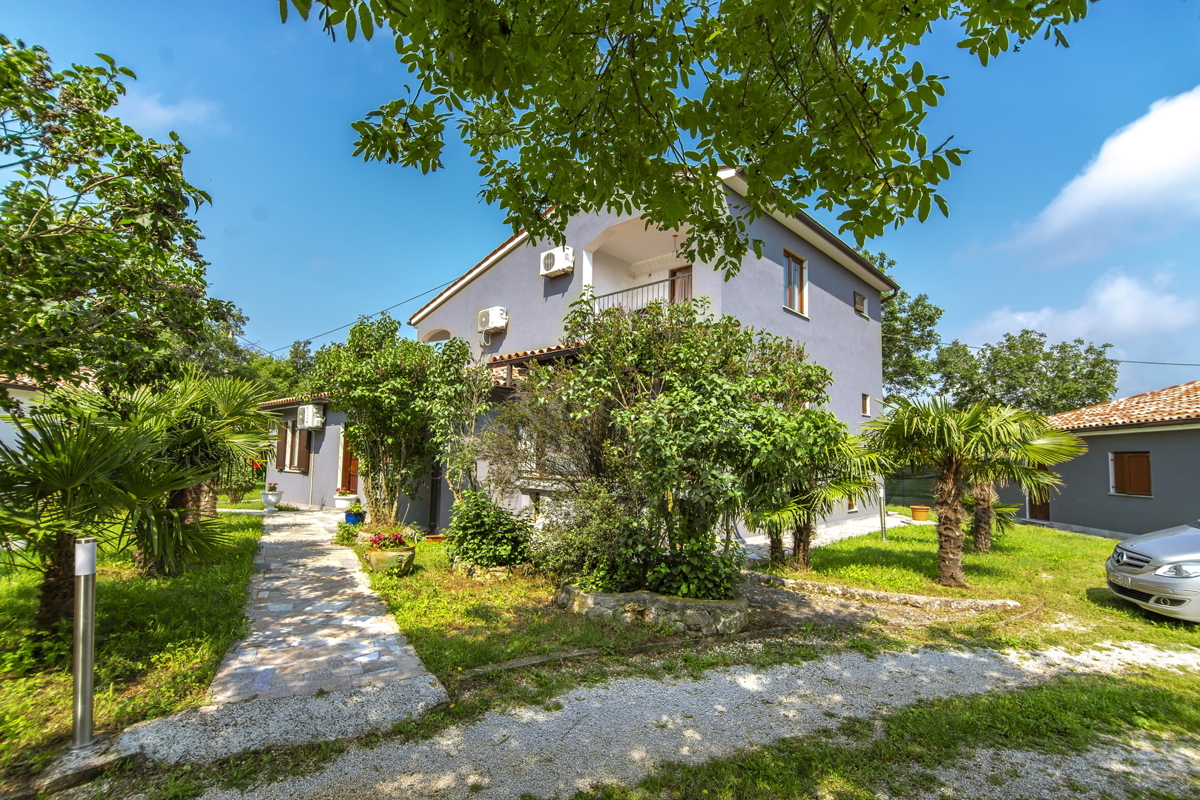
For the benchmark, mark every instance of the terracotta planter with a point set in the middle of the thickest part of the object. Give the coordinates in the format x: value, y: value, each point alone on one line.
x: 342, y: 503
x: 435, y: 537
x: 920, y: 513
x: 399, y: 560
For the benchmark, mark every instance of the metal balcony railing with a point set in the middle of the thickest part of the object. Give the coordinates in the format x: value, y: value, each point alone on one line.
x: 674, y: 289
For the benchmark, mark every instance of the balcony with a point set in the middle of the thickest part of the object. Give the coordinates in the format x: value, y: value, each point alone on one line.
x: 674, y: 289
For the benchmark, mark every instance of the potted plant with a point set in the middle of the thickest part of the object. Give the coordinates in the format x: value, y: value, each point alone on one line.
x: 388, y: 551
x: 344, y: 498
x: 355, y: 513
x: 271, y: 497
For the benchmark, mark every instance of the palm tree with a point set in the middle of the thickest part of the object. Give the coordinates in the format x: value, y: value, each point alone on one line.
x: 842, y: 472
x: 980, y: 442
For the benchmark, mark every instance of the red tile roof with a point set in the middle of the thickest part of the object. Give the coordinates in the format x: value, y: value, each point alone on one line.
x: 511, y: 367
x: 286, y: 401
x: 1164, y: 406
x: 19, y: 382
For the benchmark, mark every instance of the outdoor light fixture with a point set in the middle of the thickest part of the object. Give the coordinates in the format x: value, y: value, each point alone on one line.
x: 85, y: 642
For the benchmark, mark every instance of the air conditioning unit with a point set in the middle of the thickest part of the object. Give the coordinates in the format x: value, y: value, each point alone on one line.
x: 558, y: 261
x: 492, y: 319
x: 310, y: 418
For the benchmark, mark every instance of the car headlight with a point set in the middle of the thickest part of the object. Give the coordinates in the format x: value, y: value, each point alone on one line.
x: 1184, y: 569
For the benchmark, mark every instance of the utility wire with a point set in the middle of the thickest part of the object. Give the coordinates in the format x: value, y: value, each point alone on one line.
x: 980, y: 347
x: 368, y: 316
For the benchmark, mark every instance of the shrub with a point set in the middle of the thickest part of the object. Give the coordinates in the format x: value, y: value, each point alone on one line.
x: 698, y: 573
x: 347, y: 534
x: 579, y: 539
x: 486, y: 534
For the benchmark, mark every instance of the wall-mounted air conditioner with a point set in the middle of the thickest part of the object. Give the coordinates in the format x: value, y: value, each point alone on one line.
x: 558, y: 261
x: 492, y: 319
x: 310, y: 417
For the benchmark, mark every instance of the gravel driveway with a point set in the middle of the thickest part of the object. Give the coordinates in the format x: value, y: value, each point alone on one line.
x: 620, y: 730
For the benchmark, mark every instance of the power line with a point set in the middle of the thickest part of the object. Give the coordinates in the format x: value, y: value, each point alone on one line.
x: 368, y: 316
x: 1116, y: 360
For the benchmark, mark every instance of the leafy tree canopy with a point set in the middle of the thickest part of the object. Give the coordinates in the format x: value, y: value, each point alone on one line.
x: 573, y: 106
x: 98, y: 262
x: 1023, y: 371
x: 910, y: 337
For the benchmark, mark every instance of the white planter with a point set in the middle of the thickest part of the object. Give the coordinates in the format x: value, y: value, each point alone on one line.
x: 342, y: 503
x: 270, y: 500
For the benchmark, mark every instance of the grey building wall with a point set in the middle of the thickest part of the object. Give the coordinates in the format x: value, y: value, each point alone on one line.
x: 315, y: 488
x: 1086, y: 499
x: 8, y: 431
x: 836, y: 337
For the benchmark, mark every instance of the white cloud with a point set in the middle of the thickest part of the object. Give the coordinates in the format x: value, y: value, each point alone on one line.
x: 147, y: 114
x: 1117, y: 309
x: 1144, y: 184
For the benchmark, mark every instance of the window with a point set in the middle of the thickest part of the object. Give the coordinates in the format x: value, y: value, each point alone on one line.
x: 1131, y: 473
x: 866, y: 405
x: 293, y: 448
x: 860, y: 303
x: 794, y: 282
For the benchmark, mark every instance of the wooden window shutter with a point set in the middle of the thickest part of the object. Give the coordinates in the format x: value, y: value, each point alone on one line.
x: 281, y: 449
x: 1131, y: 473
x: 860, y: 302
x: 303, y: 445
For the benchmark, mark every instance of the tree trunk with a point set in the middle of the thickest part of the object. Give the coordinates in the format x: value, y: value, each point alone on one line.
x: 949, y: 508
x: 208, y: 499
x: 802, y: 545
x: 776, y: 540
x: 57, y: 598
x: 985, y: 515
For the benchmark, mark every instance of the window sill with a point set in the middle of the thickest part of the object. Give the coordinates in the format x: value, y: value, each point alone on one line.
x: 291, y: 471
x: 800, y: 314
x: 1140, y: 496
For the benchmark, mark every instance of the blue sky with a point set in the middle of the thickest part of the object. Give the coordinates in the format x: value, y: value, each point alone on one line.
x: 1076, y: 213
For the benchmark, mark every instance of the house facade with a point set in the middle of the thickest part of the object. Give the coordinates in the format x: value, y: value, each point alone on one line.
x: 808, y: 285
x: 1141, y: 472
x: 23, y: 390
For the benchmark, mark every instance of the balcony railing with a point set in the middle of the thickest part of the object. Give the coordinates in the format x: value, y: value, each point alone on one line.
x: 674, y: 289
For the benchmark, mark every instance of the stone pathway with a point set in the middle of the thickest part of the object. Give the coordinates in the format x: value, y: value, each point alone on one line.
x: 315, y: 622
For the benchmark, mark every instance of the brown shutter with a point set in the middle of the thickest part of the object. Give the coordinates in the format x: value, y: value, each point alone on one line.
x: 1131, y: 473
x: 281, y: 449
x: 303, y: 445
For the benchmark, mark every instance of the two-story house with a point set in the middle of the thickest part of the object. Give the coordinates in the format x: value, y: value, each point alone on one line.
x: 808, y: 285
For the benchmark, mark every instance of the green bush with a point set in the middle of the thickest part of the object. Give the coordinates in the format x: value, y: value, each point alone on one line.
x: 698, y: 573
x: 347, y: 534
x: 579, y: 540
x: 486, y: 534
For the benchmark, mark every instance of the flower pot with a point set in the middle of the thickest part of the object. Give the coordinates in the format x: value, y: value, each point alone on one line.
x: 435, y: 537
x: 270, y: 500
x: 342, y: 503
x: 399, y: 560
x: 920, y: 513
x: 353, y: 518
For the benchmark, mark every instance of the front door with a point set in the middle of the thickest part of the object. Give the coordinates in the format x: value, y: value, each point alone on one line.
x: 349, y: 467
x: 1039, y: 510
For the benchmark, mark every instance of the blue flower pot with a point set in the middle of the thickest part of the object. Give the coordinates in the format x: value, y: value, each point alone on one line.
x: 355, y: 519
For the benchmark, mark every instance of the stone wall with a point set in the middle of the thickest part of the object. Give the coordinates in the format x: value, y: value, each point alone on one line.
x: 705, y: 617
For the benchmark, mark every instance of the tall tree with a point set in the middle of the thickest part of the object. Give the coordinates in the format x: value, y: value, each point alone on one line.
x: 1023, y: 371
x: 910, y: 337
x: 98, y: 262
x: 573, y: 106
x: 962, y: 444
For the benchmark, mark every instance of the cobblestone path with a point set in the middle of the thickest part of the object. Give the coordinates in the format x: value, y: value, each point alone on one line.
x: 315, y: 622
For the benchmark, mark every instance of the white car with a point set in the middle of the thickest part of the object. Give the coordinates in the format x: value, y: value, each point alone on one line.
x: 1160, y: 571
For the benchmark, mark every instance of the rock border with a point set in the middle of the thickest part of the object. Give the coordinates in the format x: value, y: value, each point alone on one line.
x: 705, y: 617
x: 914, y: 600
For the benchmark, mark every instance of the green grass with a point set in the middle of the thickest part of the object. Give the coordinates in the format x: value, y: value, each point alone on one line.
x: 158, y: 644
x: 1058, y: 575
x: 455, y: 622
x: 860, y: 759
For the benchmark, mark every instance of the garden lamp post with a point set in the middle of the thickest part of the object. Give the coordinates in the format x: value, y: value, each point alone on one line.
x: 85, y: 642
x: 882, y: 511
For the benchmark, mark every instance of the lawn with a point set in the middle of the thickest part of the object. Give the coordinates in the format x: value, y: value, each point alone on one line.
x: 158, y: 643
x: 456, y: 622
x: 1056, y: 575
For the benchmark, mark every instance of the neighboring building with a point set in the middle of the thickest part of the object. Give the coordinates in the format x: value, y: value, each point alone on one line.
x: 23, y: 390
x: 1142, y: 469
x: 808, y: 285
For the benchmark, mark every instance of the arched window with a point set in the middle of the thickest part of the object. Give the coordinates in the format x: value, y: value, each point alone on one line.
x: 438, y: 335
